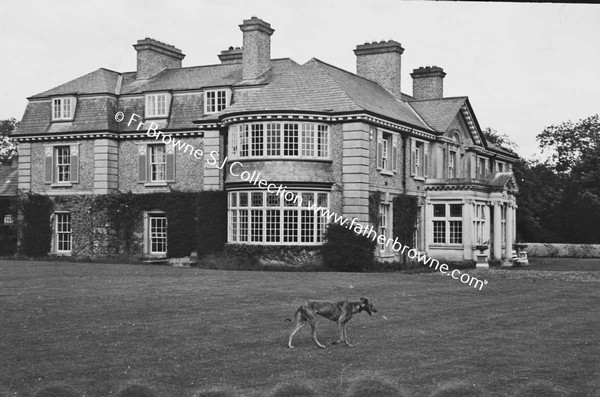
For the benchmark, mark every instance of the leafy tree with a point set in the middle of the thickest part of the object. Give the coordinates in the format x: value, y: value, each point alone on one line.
x: 8, y: 147
x: 575, y: 159
x: 501, y: 140
x: 569, y: 141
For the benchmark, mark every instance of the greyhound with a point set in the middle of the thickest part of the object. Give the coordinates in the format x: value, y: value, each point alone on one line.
x: 340, y: 312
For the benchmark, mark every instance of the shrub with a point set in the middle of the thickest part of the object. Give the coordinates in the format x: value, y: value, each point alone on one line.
x: 346, y: 251
x: 211, y: 214
x: 37, y: 231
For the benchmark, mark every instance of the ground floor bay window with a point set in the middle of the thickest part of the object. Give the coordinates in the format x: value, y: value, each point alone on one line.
x: 260, y: 217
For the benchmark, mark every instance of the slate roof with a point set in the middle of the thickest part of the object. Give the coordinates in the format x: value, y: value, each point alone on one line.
x: 318, y: 86
x: 98, y: 81
x: 438, y: 113
x: 8, y: 179
x: 189, y: 78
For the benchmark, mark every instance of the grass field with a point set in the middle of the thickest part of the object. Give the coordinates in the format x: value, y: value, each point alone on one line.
x: 131, y: 330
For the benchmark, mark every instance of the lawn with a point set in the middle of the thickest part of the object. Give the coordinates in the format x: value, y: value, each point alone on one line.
x: 133, y: 330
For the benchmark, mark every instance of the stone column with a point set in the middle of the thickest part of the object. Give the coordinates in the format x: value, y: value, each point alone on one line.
x: 497, y: 243
x: 468, y: 230
x: 509, y: 232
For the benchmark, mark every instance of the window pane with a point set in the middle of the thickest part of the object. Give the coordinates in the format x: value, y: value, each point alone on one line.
x: 257, y: 139
x: 308, y: 140
x: 290, y: 139
x: 257, y: 225
x: 323, y: 141
x: 290, y: 226
x: 273, y: 139
x: 439, y: 210
x: 307, y: 226
x: 439, y: 232
x: 456, y: 210
x: 273, y: 226
x: 455, y: 232
x: 257, y: 199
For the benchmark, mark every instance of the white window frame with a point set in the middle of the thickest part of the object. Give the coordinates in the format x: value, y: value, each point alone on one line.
x: 216, y: 100
x: 279, y: 139
x: 154, y: 167
x: 385, y: 229
x: 63, y: 236
x: 63, y: 108
x: 452, y: 160
x: 479, y: 223
x: 158, y: 236
x: 62, y: 164
x: 157, y: 104
x: 260, y: 217
x: 419, y: 158
x: 448, y: 220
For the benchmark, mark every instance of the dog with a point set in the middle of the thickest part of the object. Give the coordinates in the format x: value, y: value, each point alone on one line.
x: 340, y: 312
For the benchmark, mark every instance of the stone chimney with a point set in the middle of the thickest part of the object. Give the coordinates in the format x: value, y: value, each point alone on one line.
x: 428, y: 82
x: 380, y: 62
x: 154, y: 56
x: 232, y: 55
x: 256, y: 57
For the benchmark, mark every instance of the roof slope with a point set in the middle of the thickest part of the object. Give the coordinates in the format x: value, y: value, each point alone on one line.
x: 98, y: 81
x: 189, y: 78
x: 318, y: 86
x: 438, y: 113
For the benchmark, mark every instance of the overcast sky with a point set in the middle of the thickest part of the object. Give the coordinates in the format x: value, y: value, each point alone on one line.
x: 523, y: 66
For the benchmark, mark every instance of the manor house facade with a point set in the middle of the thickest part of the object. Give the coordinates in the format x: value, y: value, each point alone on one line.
x: 332, y: 136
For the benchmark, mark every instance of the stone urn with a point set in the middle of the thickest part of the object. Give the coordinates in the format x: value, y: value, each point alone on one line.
x: 482, y: 262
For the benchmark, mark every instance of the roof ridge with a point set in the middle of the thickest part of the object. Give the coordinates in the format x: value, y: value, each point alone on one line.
x: 337, y: 83
x: 440, y: 99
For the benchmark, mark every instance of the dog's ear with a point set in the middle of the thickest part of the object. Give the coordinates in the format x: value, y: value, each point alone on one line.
x: 363, y: 299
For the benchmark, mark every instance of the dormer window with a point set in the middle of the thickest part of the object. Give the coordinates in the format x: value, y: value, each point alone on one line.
x: 63, y: 108
x: 215, y: 100
x: 157, y: 105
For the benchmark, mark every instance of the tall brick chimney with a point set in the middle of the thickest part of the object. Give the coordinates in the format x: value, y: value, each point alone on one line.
x: 154, y: 56
x: 256, y: 57
x: 428, y: 82
x: 380, y: 62
x: 232, y: 55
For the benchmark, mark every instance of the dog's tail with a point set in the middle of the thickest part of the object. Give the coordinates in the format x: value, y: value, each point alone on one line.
x: 288, y: 320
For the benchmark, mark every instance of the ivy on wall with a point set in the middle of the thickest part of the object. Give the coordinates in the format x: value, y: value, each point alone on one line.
x: 374, y: 204
x: 112, y: 224
x: 36, y: 229
x: 404, y: 219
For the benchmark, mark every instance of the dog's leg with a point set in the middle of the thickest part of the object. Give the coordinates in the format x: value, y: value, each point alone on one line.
x: 346, y: 335
x: 341, y: 330
x: 301, y: 323
x: 313, y: 325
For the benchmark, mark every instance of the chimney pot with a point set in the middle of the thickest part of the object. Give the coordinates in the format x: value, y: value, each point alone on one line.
x: 256, y: 47
x: 381, y: 62
x: 154, y: 56
x: 232, y: 55
x: 428, y: 82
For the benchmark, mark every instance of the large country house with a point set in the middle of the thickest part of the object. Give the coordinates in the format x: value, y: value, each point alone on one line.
x: 332, y: 136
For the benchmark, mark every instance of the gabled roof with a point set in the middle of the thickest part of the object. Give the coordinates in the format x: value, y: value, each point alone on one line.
x: 439, y: 113
x: 319, y: 87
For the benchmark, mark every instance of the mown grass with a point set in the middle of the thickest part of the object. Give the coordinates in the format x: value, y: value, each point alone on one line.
x: 101, y: 329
